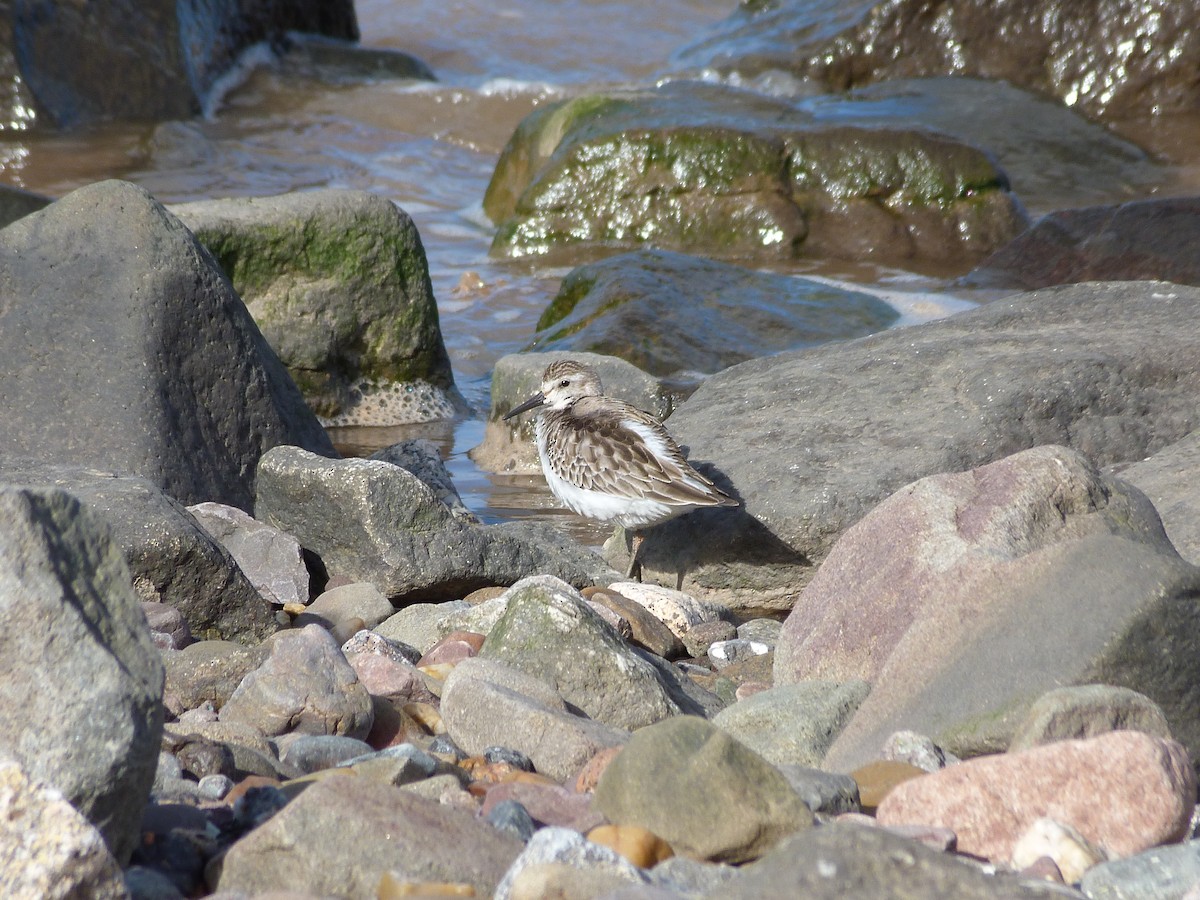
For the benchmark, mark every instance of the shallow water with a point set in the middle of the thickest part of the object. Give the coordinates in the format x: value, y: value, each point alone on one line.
x: 431, y: 148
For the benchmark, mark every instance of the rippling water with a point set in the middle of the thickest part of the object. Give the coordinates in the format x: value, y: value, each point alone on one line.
x: 431, y: 148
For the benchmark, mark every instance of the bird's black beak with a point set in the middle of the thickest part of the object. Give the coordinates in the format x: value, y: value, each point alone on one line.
x: 536, y: 400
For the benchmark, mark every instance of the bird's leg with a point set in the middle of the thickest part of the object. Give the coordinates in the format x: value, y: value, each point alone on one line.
x: 635, y: 561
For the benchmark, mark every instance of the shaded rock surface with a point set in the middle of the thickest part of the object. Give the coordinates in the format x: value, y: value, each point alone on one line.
x: 1077, y: 53
x: 173, y: 559
x: 338, y: 282
x: 1108, y: 369
x: 1086, y: 711
x: 342, y: 834
x: 422, y: 458
x: 726, y: 173
x: 667, y: 312
x: 1147, y: 785
x: 162, y: 374
x: 509, y: 446
x: 1168, y: 479
x: 81, y: 703
x: 954, y: 595
x: 143, y: 61
x: 372, y: 521
x: 744, y: 807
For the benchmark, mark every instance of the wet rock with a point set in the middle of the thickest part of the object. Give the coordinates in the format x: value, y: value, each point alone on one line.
x: 313, y: 846
x: 207, y: 672
x: 81, y: 700
x: 190, y: 407
x: 668, y: 312
x: 173, y: 560
x: 47, y: 849
x: 156, y: 63
x: 723, y: 172
x: 1086, y: 711
x: 984, y: 572
x: 793, y: 724
x: 422, y: 458
x: 971, y: 389
x: 550, y: 633
x: 704, y: 793
x: 361, y: 600
x: 1167, y: 479
x: 305, y: 685
x: 271, y: 559
x: 1160, y: 872
x: 1077, y: 54
x: 1147, y: 785
x: 338, y: 282
x: 509, y: 447
x: 574, y: 857
x: 842, y: 860
x: 372, y: 521
x: 487, y: 702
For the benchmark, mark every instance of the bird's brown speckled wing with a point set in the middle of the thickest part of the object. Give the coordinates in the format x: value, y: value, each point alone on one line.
x: 595, y: 445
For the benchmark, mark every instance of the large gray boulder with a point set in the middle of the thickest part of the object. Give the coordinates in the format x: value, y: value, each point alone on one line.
x: 372, y: 521
x: 81, y: 699
x: 964, y: 597
x: 338, y: 282
x: 811, y: 441
x: 76, y: 64
x: 126, y: 350
x: 173, y: 560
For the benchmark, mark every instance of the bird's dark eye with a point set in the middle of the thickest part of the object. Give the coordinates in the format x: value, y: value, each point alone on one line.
x: 566, y: 382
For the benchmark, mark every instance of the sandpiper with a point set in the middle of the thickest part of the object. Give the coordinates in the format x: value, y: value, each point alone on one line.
x: 610, y: 461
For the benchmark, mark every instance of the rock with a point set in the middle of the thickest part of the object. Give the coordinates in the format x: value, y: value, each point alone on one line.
x: 271, y: 559
x: 877, y: 779
x: 417, y: 624
x: 725, y: 653
x: 487, y: 702
x: 479, y: 618
x: 172, y: 558
x: 1166, y: 478
x: 207, y: 672
x: 972, y: 390
x: 1147, y: 784
x: 372, y: 643
x: 313, y: 847
x: 1086, y: 711
x: 190, y: 407
x: 546, y: 804
x: 338, y: 282
x: 725, y: 172
x: 1072, y: 853
x: 643, y: 848
x: 305, y: 685
x: 549, y: 632
x: 149, y: 884
x: 851, y: 861
x: 985, y: 571
x: 47, y: 849
x: 563, y: 846
x: 361, y: 600
x: 822, y: 792
x: 703, y: 635
x: 1158, y: 873
x: 1140, y: 240
x: 702, y: 792
x: 512, y: 818
x: 509, y: 447
x: 669, y: 313
x: 16, y: 203
x: 917, y: 750
x: 691, y: 877
x: 386, y: 676
x: 793, y: 724
x: 372, y: 521
x: 314, y: 752
x: 645, y: 629
x: 422, y: 458
x: 1078, y: 56
x: 167, y: 620
x: 761, y: 631
x: 163, y: 61
x: 81, y: 700
x: 678, y: 611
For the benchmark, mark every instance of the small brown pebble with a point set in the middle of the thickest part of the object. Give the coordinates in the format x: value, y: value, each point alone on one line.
x: 589, y: 775
x: 640, y: 846
x: 876, y: 780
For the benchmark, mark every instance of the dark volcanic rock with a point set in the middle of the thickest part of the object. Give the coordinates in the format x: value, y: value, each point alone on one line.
x: 1107, y: 57
x: 126, y: 350
x: 82, y: 63
x: 666, y: 312
x: 811, y: 441
x: 1147, y: 239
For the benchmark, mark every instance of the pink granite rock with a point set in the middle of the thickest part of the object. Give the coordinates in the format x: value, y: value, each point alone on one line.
x: 395, y: 679
x: 1124, y: 791
x: 548, y: 804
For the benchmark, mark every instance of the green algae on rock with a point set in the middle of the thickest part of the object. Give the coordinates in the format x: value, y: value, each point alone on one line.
x: 727, y: 173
